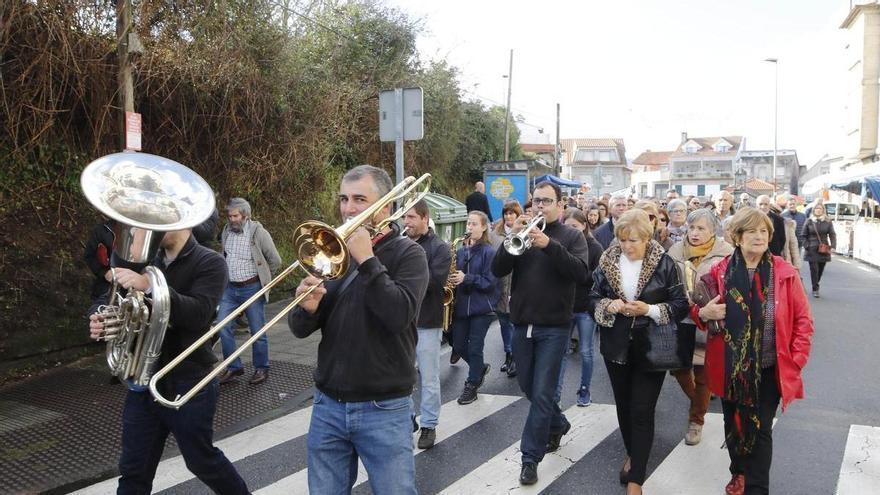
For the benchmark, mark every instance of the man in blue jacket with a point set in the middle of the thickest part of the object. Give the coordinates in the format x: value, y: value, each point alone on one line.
x: 542, y: 301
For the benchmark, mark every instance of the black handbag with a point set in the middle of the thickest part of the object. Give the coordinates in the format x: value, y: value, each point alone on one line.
x: 668, y: 349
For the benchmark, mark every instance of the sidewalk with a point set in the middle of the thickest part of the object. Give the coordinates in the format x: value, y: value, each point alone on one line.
x: 61, y: 430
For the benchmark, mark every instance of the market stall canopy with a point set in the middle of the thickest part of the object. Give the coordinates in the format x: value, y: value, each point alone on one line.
x: 556, y: 180
x: 840, y: 180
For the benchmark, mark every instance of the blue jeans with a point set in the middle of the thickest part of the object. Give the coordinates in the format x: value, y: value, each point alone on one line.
x: 379, y: 432
x: 428, y: 359
x: 586, y: 329
x: 232, y: 298
x: 145, y: 426
x: 468, y: 339
x: 506, y: 331
x: 538, y: 360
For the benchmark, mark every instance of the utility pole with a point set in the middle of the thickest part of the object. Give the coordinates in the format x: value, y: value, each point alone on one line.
x: 124, y: 77
x: 507, y: 112
x: 558, y: 154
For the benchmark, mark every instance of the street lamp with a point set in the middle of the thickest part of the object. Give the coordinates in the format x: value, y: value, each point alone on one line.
x: 775, y: 63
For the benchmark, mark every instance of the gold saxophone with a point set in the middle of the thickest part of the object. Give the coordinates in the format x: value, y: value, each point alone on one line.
x: 449, y: 288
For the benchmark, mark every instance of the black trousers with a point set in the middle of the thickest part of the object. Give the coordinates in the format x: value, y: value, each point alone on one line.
x: 756, y: 465
x: 635, y: 393
x: 816, y: 269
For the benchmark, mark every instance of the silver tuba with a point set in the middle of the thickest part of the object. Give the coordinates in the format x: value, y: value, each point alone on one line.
x: 519, y: 243
x: 146, y: 195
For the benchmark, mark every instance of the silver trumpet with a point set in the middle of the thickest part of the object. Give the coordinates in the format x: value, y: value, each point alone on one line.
x: 519, y: 243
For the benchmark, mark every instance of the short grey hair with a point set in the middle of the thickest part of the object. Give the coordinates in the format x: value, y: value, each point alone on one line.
x: 705, y: 214
x: 241, y: 205
x: 381, y: 179
x: 618, y: 197
x: 675, y: 202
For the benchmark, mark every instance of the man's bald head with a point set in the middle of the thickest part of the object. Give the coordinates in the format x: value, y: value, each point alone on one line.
x: 479, y: 186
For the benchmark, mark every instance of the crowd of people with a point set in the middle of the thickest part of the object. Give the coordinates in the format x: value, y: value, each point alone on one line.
x: 721, y: 280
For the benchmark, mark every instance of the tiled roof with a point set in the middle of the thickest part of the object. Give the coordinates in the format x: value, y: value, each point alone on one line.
x: 653, y: 158
x: 571, y: 146
x: 758, y: 185
x: 538, y: 148
x: 706, y: 144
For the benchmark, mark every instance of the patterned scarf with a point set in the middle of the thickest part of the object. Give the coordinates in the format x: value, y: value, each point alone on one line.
x: 746, y: 300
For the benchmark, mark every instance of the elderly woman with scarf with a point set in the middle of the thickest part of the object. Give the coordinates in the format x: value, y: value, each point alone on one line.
x: 635, y: 285
x: 760, y: 331
x: 694, y: 256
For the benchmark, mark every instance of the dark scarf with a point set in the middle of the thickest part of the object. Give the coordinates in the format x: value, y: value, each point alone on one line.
x: 746, y: 300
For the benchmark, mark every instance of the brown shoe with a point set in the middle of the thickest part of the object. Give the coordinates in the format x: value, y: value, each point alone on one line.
x: 229, y: 375
x: 259, y: 377
x: 736, y: 485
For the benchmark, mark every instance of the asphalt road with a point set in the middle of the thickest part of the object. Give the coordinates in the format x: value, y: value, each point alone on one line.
x: 810, y: 438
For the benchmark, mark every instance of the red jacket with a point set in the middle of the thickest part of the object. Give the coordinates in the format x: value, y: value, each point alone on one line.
x: 794, y: 332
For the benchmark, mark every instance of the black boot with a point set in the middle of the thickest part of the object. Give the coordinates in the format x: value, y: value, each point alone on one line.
x: 508, y: 358
x: 511, y: 369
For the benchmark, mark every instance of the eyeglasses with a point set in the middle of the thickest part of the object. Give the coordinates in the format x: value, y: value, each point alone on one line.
x: 677, y: 210
x: 543, y: 201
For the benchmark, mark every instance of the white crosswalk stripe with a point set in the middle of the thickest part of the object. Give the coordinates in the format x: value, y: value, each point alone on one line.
x: 173, y: 471
x: 589, y: 426
x: 686, y: 470
x: 860, y: 469
x: 453, y: 419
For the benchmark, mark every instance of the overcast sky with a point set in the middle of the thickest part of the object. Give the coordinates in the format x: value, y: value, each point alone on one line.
x: 645, y: 70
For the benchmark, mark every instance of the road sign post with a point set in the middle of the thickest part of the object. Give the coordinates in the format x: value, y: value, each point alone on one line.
x: 401, y: 118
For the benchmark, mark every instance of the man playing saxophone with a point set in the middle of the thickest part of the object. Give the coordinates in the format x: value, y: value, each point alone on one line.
x: 196, y: 277
x: 416, y: 223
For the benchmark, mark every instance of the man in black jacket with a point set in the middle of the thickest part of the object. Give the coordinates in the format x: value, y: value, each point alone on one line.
x: 617, y: 206
x: 777, y: 242
x: 430, y: 322
x: 367, y: 352
x: 541, y: 303
x: 196, y: 277
x: 477, y: 200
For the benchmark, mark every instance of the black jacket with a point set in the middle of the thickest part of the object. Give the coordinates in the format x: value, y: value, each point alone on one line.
x: 477, y: 201
x: 439, y: 258
x: 196, y: 280
x: 777, y: 242
x: 543, y: 283
x: 97, y: 253
x: 368, y: 331
x: 814, y: 231
x: 659, y: 283
x: 582, y: 292
x: 605, y: 233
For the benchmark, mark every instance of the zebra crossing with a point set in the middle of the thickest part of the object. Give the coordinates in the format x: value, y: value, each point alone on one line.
x: 684, y: 470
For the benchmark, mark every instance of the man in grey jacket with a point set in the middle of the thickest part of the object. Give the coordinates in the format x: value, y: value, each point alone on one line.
x: 251, y: 258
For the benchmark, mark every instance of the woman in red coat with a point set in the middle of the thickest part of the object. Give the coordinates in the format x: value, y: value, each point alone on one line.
x: 760, y: 328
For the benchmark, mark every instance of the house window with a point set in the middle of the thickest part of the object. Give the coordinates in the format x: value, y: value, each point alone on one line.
x: 722, y: 148
x: 604, y: 156
x: 608, y: 180
x: 701, y: 190
x: 690, y: 149
x: 584, y: 156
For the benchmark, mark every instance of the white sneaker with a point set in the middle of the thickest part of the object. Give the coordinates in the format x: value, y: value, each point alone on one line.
x: 694, y: 434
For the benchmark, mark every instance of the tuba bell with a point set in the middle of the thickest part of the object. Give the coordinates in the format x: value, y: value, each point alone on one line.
x: 146, y: 195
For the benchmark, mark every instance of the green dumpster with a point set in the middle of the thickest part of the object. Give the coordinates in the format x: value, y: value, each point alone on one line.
x: 449, y: 215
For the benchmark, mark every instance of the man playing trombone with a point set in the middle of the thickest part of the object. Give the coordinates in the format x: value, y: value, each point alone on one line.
x: 366, y: 371
x: 542, y: 292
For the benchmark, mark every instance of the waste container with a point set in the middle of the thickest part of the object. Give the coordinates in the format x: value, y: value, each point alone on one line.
x: 449, y: 215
